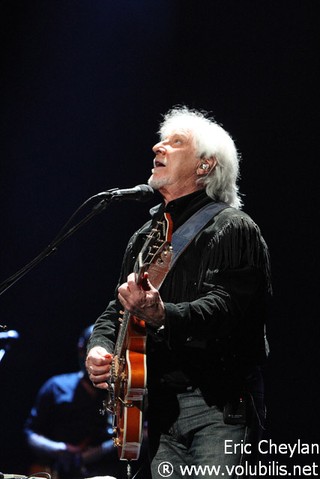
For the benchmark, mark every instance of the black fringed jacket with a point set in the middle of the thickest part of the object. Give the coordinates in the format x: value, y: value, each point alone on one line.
x: 215, y: 302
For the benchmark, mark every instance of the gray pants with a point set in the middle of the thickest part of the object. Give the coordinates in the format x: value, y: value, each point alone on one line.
x: 200, y: 444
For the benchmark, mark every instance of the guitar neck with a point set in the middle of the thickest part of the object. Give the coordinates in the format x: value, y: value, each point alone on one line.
x: 155, y: 258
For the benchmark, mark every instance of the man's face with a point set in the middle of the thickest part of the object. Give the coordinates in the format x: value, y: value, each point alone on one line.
x: 175, y: 164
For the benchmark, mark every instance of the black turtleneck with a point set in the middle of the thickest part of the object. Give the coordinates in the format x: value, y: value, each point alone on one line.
x: 184, y: 207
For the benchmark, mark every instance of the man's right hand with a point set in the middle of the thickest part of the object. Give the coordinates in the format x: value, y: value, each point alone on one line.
x: 98, y: 364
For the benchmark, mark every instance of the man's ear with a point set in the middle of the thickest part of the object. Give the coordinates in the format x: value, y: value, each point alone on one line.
x: 206, y: 165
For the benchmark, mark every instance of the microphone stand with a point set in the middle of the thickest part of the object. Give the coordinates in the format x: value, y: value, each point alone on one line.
x: 64, y: 233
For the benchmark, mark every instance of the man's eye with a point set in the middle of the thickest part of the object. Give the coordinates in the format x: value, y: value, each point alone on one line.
x: 177, y: 141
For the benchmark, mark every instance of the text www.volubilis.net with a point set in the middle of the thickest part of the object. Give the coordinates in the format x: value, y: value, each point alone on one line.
x: 249, y: 470
x: 273, y: 468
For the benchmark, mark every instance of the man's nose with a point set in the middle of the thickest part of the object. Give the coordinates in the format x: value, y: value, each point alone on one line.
x: 159, y: 149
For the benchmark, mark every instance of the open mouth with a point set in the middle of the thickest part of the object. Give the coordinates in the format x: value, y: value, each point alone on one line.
x: 158, y: 164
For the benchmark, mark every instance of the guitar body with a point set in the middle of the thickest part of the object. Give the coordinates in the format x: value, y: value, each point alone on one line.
x: 129, y: 392
x: 129, y: 371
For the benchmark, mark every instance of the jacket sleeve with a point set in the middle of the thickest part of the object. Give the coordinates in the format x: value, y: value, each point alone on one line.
x: 106, y: 327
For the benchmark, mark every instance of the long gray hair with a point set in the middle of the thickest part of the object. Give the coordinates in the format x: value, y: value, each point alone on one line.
x: 211, y: 140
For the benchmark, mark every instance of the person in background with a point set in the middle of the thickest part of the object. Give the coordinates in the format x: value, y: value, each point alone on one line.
x: 205, y: 324
x: 65, y: 431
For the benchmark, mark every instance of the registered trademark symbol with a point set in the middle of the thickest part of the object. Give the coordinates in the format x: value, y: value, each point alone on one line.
x: 165, y: 469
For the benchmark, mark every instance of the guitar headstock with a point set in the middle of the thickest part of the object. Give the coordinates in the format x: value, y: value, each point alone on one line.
x: 157, y: 243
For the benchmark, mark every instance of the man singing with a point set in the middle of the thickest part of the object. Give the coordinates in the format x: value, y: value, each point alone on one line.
x: 206, y: 323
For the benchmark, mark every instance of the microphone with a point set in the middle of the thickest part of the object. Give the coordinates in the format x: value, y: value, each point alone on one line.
x: 138, y: 193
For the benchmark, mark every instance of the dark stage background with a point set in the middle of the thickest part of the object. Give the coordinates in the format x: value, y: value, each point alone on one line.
x: 84, y: 84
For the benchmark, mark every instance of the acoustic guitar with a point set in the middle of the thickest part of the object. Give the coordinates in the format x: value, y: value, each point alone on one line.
x: 128, y: 384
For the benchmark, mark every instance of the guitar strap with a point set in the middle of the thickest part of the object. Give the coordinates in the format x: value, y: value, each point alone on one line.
x: 183, y: 236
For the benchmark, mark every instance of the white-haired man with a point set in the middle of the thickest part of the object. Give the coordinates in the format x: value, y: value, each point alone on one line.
x: 205, y: 324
